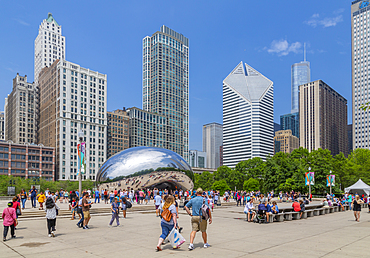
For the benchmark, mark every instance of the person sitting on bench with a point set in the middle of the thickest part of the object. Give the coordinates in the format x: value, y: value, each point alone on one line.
x: 262, y: 209
x: 249, y: 210
x: 274, y: 208
x: 296, y: 206
x: 303, y: 208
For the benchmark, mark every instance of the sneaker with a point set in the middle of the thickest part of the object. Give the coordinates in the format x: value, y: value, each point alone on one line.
x: 14, y: 236
x: 109, y: 225
x: 4, y: 239
x: 84, y: 227
x: 206, y: 245
x: 52, y: 233
x: 191, y: 247
x: 180, y: 229
x: 78, y: 225
x: 49, y: 235
x: 87, y: 227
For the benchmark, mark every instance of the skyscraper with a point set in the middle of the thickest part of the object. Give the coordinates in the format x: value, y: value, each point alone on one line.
x: 198, y: 159
x: 50, y: 45
x: 322, y: 118
x: 117, y: 131
x: 21, y: 112
x: 290, y: 122
x: 212, y: 140
x: 2, y: 125
x: 73, y: 99
x: 300, y: 75
x: 248, y: 110
x: 166, y: 84
x: 285, y: 141
x: 360, y: 18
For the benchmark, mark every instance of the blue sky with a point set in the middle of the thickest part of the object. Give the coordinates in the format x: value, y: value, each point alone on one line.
x: 106, y: 36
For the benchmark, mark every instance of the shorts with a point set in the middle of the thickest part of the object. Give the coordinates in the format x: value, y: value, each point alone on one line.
x: 86, y: 214
x: 157, y: 207
x: 250, y: 212
x: 141, y: 198
x: 197, y: 225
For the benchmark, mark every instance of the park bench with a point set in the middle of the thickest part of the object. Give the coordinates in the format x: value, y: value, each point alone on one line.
x: 320, y: 211
x: 327, y: 210
x: 331, y: 209
x: 310, y: 213
x: 336, y: 208
x: 304, y: 215
x: 288, y: 216
x: 346, y: 207
x: 296, y: 215
x: 278, y: 217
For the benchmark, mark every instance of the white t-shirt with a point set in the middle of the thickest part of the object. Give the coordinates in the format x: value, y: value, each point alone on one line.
x: 158, y: 200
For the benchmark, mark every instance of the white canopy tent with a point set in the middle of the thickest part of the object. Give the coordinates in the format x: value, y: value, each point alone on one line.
x: 359, y: 187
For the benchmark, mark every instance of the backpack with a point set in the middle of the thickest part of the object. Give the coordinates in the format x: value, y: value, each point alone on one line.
x: 204, y: 210
x: 166, y: 215
x: 128, y: 205
x: 49, y: 204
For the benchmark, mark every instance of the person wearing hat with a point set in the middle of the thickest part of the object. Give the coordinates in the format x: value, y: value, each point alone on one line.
x: 115, y: 212
x: 9, y: 220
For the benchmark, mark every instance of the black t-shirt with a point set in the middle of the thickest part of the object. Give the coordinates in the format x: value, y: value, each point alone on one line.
x: 176, y: 205
x: 356, y: 206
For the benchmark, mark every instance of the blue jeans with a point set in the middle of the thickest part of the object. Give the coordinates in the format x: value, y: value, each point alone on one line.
x: 111, y: 199
x: 33, y: 201
x: 166, y: 229
x: 81, y: 222
x: 97, y: 198
x: 24, y: 202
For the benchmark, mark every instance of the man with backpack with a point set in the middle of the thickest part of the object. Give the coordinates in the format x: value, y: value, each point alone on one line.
x: 199, y: 216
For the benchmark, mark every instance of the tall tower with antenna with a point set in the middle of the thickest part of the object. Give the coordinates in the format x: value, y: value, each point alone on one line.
x: 301, y: 74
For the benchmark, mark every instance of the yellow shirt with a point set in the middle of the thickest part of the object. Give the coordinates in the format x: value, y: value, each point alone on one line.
x: 41, y: 197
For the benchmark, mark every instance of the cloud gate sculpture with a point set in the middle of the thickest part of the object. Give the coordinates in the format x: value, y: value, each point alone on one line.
x: 145, y: 167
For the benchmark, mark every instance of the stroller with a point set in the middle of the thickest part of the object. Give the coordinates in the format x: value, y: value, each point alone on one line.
x: 260, y: 216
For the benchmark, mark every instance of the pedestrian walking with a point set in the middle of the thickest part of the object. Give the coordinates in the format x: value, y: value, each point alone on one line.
x: 86, y: 210
x: 51, y: 215
x: 357, y: 207
x: 33, y: 193
x: 157, y: 203
x: 9, y: 220
x: 168, y: 221
x: 41, y: 198
x: 23, y: 196
x: 124, y: 206
x: 198, y: 223
x: 79, y: 211
x: 115, y: 212
x: 97, y: 196
x: 17, y: 207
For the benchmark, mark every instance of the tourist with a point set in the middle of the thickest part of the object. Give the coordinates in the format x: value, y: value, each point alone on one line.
x: 168, y: 221
x: 33, y: 193
x: 249, y: 210
x: 51, y: 215
x: 296, y: 206
x: 86, y: 210
x: 177, y: 212
x: 79, y: 211
x: 17, y: 207
x: 47, y: 192
x: 303, y: 208
x: 238, y: 199
x: 41, y: 198
x: 141, y: 196
x: 9, y: 220
x: 157, y: 203
x: 368, y: 202
x: 147, y: 196
x: 124, y: 207
x: 198, y: 224
x: 350, y: 201
x: 97, y: 196
x: 115, y: 212
x: 23, y: 196
x: 74, y: 206
x: 105, y: 196
x: 325, y: 203
x: 357, y: 207
x: 111, y: 196
x: 274, y: 208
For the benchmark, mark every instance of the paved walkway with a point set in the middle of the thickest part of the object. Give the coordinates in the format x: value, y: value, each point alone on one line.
x: 331, y: 235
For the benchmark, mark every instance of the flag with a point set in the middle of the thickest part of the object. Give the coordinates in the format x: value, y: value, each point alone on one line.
x: 309, y: 178
x: 330, y: 180
x: 81, y: 150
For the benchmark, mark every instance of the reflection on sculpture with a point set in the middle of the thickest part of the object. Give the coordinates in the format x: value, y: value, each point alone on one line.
x: 146, y: 167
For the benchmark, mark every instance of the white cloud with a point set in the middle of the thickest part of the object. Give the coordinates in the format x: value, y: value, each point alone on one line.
x: 283, y: 48
x: 22, y: 22
x: 316, y: 20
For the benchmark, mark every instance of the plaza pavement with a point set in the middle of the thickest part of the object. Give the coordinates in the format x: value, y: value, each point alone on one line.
x: 331, y: 235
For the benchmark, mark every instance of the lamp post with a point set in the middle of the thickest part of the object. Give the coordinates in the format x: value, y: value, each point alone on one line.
x: 330, y: 183
x: 80, y: 138
x: 309, y: 183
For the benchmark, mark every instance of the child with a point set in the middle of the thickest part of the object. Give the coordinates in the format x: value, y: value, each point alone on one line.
x: 210, y: 201
x: 41, y: 198
x: 73, y: 208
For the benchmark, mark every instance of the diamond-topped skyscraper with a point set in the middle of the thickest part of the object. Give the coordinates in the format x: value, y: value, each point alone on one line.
x: 50, y: 45
x: 248, y: 115
x: 166, y: 84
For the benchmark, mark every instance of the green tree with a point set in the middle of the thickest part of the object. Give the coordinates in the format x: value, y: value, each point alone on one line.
x: 251, y: 185
x: 221, y: 173
x: 221, y: 186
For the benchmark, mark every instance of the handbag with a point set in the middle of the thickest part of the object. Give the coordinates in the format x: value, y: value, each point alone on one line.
x: 18, y: 211
x: 166, y: 215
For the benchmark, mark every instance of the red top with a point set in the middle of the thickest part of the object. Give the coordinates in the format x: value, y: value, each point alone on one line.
x: 296, y: 206
x: 15, y: 205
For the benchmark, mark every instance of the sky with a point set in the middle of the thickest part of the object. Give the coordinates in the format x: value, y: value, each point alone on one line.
x: 106, y: 36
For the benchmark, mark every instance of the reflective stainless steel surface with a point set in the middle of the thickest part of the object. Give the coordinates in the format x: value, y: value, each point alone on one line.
x: 144, y: 160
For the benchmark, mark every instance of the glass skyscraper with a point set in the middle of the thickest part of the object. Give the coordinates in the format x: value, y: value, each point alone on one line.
x: 300, y: 75
x: 166, y: 84
x: 290, y: 122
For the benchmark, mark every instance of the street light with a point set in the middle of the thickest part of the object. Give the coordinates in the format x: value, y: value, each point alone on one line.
x: 80, y: 138
x: 309, y: 183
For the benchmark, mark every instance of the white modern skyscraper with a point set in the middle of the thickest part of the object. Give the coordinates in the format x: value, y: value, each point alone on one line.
x: 50, y: 45
x: 166, y: 84
x: 360, y: 23
x: 198, y: 159
x: 212, y: 140
x: 248, y: 115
